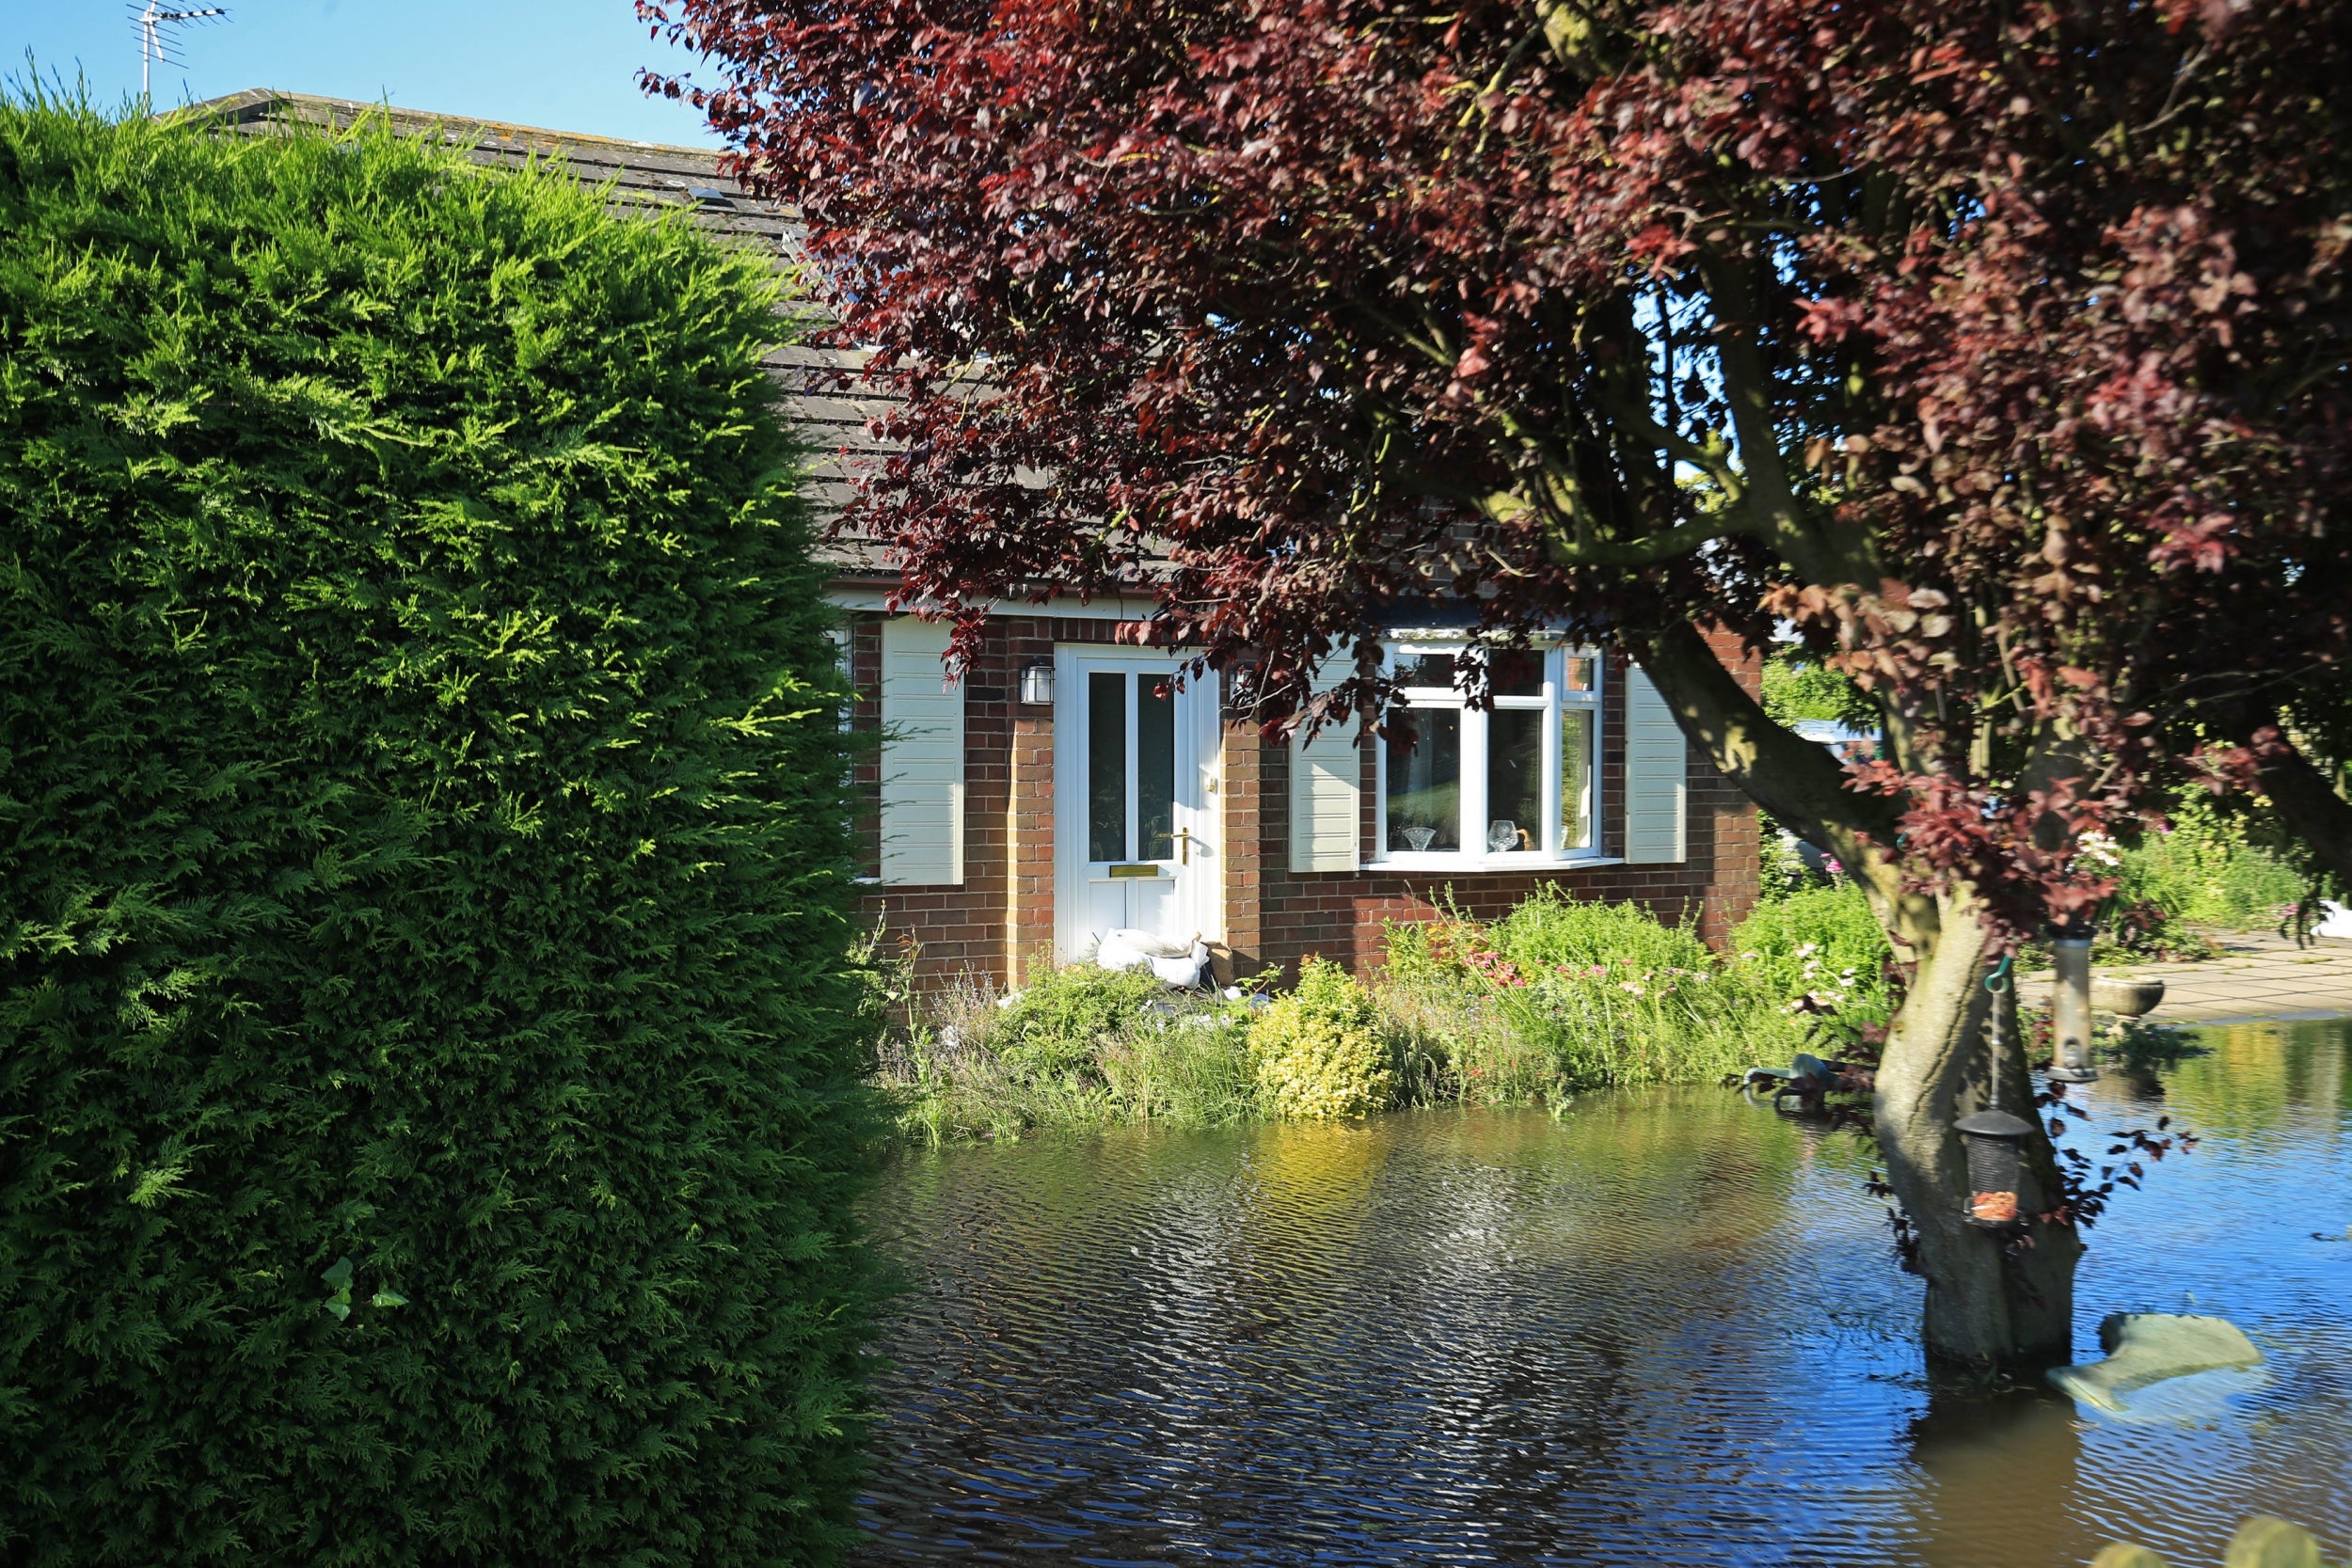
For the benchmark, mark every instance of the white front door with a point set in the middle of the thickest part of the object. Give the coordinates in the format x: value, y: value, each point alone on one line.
x: 1136, y: 822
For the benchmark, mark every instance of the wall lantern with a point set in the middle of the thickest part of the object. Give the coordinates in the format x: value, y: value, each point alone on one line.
x: 1994, y: 1139
x: 1037, y: 683
x: 2069, y: 1010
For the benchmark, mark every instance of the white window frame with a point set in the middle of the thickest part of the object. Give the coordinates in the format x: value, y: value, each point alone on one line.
x: 1555, y: 700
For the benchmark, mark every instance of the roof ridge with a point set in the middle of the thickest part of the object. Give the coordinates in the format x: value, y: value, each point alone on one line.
x: 253, y: 102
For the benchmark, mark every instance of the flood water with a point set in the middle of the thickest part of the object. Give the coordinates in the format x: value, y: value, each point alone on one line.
x: 1662, y: 1328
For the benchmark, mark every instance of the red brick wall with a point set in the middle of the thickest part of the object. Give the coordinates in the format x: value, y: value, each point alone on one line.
x: 998, y: 925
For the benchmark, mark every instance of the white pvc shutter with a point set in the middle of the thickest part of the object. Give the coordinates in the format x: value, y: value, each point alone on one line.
x: 922, y: 757
x: 1657, y: 777
x: 1326, y: 787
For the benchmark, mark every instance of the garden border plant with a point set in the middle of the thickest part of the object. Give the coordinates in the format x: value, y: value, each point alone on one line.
x: 1557, y: 998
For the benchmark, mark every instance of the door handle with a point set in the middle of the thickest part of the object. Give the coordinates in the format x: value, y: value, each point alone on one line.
x: 1183, y: 847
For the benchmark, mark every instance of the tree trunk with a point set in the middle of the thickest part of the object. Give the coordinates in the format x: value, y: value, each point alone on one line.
x: 1993, y: 1298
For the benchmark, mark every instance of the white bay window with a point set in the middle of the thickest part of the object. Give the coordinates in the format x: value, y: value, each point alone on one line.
x: 1511, y: 785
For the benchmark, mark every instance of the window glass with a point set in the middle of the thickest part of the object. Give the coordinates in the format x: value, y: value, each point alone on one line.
x: 1514, y: 780
x: 1577, y: 673
x: 1576, y: 778
x: 1106, y: 766
x: 1425, y: 780
x: 1427, y: 670
x: 1516, y: 673
x: 1156, y: 767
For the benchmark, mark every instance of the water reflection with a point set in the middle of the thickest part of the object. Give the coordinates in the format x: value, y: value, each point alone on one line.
x: 1659, y: 1328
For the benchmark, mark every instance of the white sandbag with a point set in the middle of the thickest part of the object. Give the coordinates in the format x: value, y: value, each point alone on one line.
x: 1176, y: 962
x: 1188, y: 970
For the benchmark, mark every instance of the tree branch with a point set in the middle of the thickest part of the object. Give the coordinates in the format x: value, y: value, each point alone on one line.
x: 1712, y: 460
x: 1651, y: 550
x: 1797, y: 780
x: 1770, y: 501
x: 2307, y: 804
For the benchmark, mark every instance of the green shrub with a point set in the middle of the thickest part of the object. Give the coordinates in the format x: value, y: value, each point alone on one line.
x: 1081, y: 1047
x: 1058, y: 1026
x: 1818, y: 942
x: 427, y: 1056
x: 1319, y: 1049
x: 1796, y: 685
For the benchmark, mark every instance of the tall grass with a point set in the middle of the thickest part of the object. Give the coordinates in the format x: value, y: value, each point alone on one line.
x: 1818, y: 943
x: 1559, y: 997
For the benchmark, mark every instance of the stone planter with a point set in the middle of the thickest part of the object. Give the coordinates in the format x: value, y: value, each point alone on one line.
x: 2129, y: 998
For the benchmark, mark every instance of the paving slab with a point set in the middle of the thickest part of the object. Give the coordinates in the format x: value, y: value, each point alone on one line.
x: 2259, y: 975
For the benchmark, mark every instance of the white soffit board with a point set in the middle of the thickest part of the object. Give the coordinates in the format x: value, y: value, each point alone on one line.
x: 922, y: 757
x: 1326, y: 787
x: 1656, y: 778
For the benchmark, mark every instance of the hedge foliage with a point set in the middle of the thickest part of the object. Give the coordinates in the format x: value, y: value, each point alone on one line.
x: 428, y: 1108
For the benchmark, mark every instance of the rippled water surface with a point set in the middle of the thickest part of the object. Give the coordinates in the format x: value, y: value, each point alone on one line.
x: 1661, y: 1328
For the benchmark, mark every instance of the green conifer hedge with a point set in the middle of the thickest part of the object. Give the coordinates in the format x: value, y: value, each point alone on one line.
x: 428, y: 1121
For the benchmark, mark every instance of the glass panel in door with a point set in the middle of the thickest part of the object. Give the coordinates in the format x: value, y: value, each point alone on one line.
x: 1131, y: 768
x: 1156, y: 767
x: 1106, y: 766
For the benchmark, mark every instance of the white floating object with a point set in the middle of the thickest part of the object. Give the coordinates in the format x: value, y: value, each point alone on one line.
x: 2148, y: 1347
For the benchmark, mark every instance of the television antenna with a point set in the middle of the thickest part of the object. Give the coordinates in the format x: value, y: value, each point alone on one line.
x: 156, y: 42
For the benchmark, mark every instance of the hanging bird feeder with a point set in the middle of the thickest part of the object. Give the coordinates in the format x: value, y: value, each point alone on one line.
x: 1994, y: 1141
x: 2069, y: 1010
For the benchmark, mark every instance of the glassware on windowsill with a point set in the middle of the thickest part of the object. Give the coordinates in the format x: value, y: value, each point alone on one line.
x: 1503, y: 834
x: 1418, y: 839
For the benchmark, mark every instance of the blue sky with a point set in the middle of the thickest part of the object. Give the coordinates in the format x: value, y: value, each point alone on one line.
x: 565, y: 64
